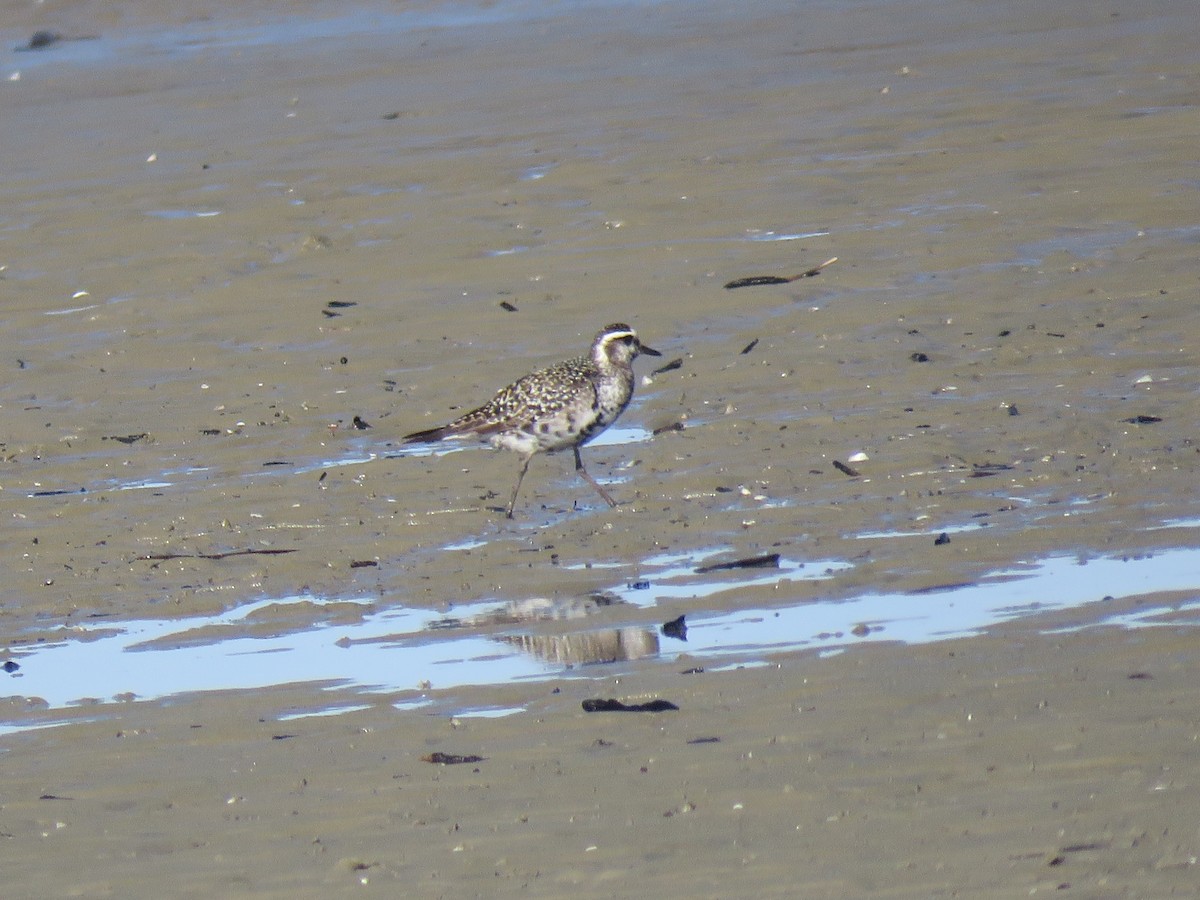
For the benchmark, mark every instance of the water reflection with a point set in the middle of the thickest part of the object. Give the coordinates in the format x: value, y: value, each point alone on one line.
x: 399, y: 651
x: 609, y: 645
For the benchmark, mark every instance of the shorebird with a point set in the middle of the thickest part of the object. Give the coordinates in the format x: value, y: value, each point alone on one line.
x: 565, y: 405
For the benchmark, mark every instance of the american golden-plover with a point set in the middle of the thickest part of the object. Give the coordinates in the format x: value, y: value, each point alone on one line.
x: 565, y: 405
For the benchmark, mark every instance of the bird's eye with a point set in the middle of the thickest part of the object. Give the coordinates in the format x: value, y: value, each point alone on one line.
x: 628, y: 340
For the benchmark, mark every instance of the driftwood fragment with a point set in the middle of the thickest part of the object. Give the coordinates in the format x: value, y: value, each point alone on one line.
x: 600, y: 705
x: 766, y: 561
x: 450, y: 759
x: 158, y: 557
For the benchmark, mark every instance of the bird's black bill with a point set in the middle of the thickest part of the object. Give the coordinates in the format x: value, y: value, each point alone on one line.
x: 649, y: 351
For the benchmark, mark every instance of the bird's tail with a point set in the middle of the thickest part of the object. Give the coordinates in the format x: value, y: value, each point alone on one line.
x: 430, y: 435
x: 476, y: 423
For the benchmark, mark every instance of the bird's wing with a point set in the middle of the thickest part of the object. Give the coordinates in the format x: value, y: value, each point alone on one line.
x: 536, y: 396
x: 517, y: 406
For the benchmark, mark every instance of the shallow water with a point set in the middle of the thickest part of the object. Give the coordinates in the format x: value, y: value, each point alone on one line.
x: 332, y: 24
x: 402, y: 653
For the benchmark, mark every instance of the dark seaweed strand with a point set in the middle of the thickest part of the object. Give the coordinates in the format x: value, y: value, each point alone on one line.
x: 755, y: 280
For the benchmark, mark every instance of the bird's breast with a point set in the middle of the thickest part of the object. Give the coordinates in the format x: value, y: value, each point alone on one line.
x: 612, y: 396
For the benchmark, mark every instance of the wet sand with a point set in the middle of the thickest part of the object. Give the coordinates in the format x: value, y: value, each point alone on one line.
x: 1007, y: 337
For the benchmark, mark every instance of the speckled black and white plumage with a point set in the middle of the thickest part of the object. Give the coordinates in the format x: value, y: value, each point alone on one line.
x: 565, y: 405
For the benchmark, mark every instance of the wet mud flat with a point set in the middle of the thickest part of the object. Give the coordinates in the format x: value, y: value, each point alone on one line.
x: 242, y: 256
x: 982, y: 766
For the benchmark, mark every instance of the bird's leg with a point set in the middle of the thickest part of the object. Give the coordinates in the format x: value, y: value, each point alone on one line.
x: 520, y: 477
x: 590, y: 480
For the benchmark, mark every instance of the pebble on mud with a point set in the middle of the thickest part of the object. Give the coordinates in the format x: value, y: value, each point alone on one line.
x: 676, y: 628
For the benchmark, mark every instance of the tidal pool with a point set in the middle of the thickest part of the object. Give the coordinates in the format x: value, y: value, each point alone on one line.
x: 358, y: 646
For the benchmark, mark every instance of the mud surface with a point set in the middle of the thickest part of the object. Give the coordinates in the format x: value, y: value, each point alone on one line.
x: 229, y: 238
